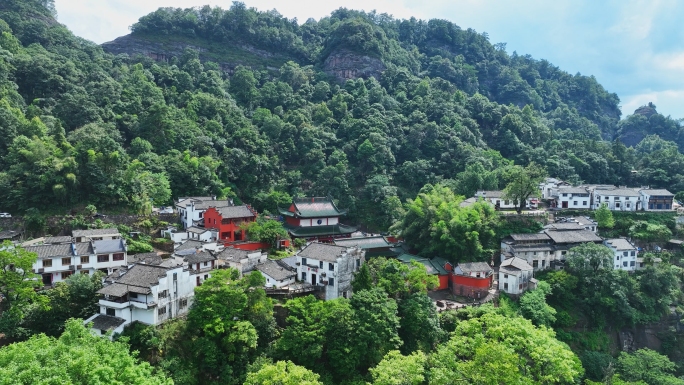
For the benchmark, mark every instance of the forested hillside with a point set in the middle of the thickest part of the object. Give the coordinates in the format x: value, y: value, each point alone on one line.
x: 242, y: 103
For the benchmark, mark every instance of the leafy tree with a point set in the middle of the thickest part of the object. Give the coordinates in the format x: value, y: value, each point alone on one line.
x: 436, y: 224
x: 589, y: 257
x: 533, y: 306
x: 266, y: 230
x: 395, y: 369
x: 78, y: 357
x: 377, y: 325
x: 397, y: 279
x: 523, y: 184
x: 650, y: 232
x: 604, y: 217
x: 419, y: 326
x: 17, y: 288
x: 648, y: 366
x: 283, y: 373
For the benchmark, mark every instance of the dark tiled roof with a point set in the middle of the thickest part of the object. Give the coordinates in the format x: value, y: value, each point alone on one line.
x: 200, y: 257
x: 232, y: 254
x: 197, y: 230
x: 290, y: 261
x: 433, y: 266
x: 95, y: 232
x: 620, y: 244
x: 564, y: 226
x: 189, y: 244
x: 474, y: 267
x: 146, y: 258
x: 84, y: 248
x: 363, y: 242
x: 622, y: 192
x: 657, y: 192
x: 230, y: 212
x: 572, y: 190
x: 203, y: 205
x: 47, y: 251
x: 9, y: 234
x: 275, y: 270
x: 318, y: 231
x: 314, y: 207
x: 489, y: 194
x: 584, y: 220
x: 107, y: 322
x: 322, y: 252
x: 579, y: 236
x: 57, y: 240
x: 515, y: 263
x: 142, y: 276
x: 110, y: 246
x: 530, y: 237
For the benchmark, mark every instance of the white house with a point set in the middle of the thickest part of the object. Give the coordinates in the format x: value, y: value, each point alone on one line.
x: 516, y: 276
x: 548, y: 185
x: 277, y: 274
x: 200, y: 264
x: 145, y: 293
x: 201, y: 234
x: 657, y: 200
x: 496, y: 199
x: 191, y: 209
x: 565, y: 197
x: 617, y: 199
x: 56, y: 262
x: 330, y: 266
x: 624, y: 254
x: 175, y: 235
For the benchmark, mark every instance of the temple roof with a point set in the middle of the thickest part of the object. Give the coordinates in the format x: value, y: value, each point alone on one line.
x: 316, y: 231
x: 312, y: 207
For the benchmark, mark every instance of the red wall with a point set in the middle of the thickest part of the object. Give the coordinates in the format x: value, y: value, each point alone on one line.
x: 443, y: 282
x: 251, y: 246
x: 472, y: 281
x: 212, y: 219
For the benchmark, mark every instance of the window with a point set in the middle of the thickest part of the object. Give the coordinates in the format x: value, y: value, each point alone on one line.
x: 632, y: 253
x: 183, y: 303
x: 344, y: 294
x: 331, y: 266
x: 162, y: 294
x: 617, y: 198
x: 86, y: 272
x: 118, y: 257
x: 47, y: 262
x: 506, y: 202
x: 632, y: 263
x: 66, y: 274
x: 206, y: 276
x: 110, y: 312
x: 624, y: 263
x: 506, y: 286
x: 303, y: 261
x: 303, y: 275
x: 320, y: 221
x: 505, y: 275
x: 358, y: 263
x: 667, y: 206
x: 563, y: 252
x: 565, y: 195
x: 206, y: 264
x: 535, y: 264
x: 584, y: 203
x: 543, y: 263
x: 574, y: 203
x: 161, y: 310
x: 132, y: 295
x: 617, y: 205
x: 103, y: 258
x: 624, y: 253
x: 85, y: 260
x: 617, y: 258
x: 66, y: 261
x: 320, y: 264
x: 628, y: 205
x: 520, y: 286
x: 331, y: 281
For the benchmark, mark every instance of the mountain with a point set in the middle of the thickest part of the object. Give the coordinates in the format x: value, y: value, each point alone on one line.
x: 252, y: 105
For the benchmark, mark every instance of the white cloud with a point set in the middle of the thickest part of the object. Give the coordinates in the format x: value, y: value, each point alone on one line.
x: 668, y: 102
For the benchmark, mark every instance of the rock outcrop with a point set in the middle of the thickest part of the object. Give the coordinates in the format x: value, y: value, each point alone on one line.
x: 344, y: 64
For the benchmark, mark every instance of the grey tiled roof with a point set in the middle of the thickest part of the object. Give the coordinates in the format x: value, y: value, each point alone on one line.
x: 146, y: 258
x: 275, y: 270
x: 530, y: 237
x: 61, y: 250
x: 189, y: 244
x: 621, y: 192
x: 107, y: 322
x: 468, y: 267
x: 142, y: 276
x: 235, y: 212
x: 564, y: 226
x: 516, y: 264
x: 489, y: 194
x: 572, y: 190
x: 579, y: 236
x: 95, y: 232
x: 9, y: 234
x: 57, y: 240
x: 200, y: 257
x: 197, y: 230
x: 203, y: 205
x: 363, y: 242
x: 110, y: 246
x: 620, y: 244
x: 322, y: 252
x: 232, y: 254
x: 584, y: 220
x: 658, y: 192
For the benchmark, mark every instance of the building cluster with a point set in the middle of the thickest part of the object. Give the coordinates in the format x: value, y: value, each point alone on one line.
x: 562, y: 195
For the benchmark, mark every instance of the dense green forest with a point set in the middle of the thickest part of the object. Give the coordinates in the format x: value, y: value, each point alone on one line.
x: 84, y: 126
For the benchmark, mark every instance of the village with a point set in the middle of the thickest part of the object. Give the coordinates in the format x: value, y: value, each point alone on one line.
x: 154, y: 287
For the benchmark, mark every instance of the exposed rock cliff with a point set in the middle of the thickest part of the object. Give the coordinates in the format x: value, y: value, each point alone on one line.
x: 345, y: 64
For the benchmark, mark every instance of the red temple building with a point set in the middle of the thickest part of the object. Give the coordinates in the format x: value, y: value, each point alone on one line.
x: 315, y: 219
x: 228, y: 221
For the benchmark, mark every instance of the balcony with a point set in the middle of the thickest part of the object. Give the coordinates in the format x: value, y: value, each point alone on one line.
x: 115, y: 303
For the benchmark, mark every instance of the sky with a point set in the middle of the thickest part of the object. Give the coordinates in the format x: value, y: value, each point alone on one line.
x: 632, y: 47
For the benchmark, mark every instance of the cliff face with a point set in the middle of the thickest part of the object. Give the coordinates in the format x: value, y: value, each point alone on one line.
x: 344, y: 64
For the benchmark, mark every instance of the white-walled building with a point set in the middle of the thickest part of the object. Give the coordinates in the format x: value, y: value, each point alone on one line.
x: 191, y: 209
x: 548, y: 185
x: 496, y: 199
x: 657, y: 200
x: 331, y: 266
x: 56, y: 262
x: 277, y: 274
x: 243, y: 261
x: 617, y: 199
x: 566, y: 197
x: 624, y: 254
x: 144, y: 293
x: 516, y: 276
x: 95, y: 234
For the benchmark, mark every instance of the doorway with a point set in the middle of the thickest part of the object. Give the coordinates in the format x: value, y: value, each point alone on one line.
x: 564, y: 204
x: 313, y: 279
